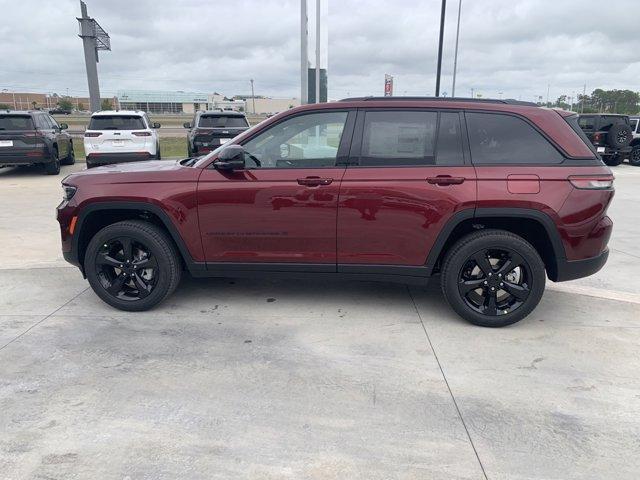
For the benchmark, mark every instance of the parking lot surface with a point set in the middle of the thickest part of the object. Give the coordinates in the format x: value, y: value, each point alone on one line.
x: 239, y: 378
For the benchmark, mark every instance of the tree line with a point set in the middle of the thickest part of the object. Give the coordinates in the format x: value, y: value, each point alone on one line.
x: 602, y: 101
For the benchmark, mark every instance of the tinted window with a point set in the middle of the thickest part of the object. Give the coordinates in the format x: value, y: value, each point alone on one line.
x: 305, y: 141
x: 507, y: 139
x: 52, y: 121
x: 449, y: 144
x: 116, y: 122
x: 607, y: 121
x: 222, y: 121
x: 41, y: 123
x: 575, y: 126
x: 586, y: 123
x: 15, y: 122
x: 634, y: 123
x: 398, y: 138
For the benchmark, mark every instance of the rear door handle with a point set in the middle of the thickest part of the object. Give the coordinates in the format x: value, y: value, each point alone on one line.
x: 314, y: 181
x: 445, y: 180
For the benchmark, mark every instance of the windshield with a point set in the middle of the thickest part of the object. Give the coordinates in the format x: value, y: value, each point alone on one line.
x: 222, y: 121
x: 116, y: 122
x: 16, y: 122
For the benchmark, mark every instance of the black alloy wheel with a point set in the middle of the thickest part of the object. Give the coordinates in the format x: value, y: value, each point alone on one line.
x: 132, y: 265
x: 492, y: 278
x: 126, y: 269
x: 495, y: 281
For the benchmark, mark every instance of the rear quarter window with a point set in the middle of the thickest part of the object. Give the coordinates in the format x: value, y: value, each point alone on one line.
x: 117, y: 122
x: 16, y: 122
x: 506, y: 139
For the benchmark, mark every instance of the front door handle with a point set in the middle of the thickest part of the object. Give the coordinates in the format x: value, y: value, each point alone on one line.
x: 445, y: 180
x: 314, y: 181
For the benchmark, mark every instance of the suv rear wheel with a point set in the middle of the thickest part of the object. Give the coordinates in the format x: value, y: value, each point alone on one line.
x: 53, y: 166
x: 493, y: 278
x: 132, y: 265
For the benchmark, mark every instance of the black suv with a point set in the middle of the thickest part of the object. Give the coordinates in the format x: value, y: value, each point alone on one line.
x: 210, y: 129
x: 610, y: 134
x: 34, y: 138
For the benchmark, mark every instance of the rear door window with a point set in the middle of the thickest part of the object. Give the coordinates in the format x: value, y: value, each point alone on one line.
x: 586, y: 123
x: 608, y: 121
x: 117, y: 122
x: 506, y: 139
x: 222, y: 121
x: 16, y: 122
x: 397, y: 138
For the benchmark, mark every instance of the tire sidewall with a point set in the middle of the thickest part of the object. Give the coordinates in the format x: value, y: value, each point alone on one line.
x: 635, y: 163
x: 164, y: 267
x: 53, y: 167
x: 493, y: 240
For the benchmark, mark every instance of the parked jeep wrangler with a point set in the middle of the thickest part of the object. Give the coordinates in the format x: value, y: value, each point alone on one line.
x: 491, y: 196
x: 634, y: 157
x: 610, y: 134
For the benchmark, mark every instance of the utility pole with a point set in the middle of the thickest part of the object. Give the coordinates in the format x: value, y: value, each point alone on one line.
x: 584, y: 94
x: 548, y: 87
x: 317, y: 51
x: 94, y: 38
x: 455, y: 56
x: 253, y: 97
x: 304, y: 53
x: 471, y: 92
x: 439, y: 69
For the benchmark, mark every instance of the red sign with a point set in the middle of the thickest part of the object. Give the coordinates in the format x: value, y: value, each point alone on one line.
x: 388, y: 86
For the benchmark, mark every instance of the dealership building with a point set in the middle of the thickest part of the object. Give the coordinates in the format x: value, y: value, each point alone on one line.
x: 154, y: 101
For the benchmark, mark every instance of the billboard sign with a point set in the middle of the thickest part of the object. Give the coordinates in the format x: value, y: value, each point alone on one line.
x: 388, y: 85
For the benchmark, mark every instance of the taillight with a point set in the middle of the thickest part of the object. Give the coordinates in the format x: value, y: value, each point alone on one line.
x: 592, y: 182
x: 92, y: 134
x: 597, y: 137
x: 142, y: 134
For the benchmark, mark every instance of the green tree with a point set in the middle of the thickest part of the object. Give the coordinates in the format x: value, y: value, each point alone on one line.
x: 106, y: 104
x: 4, y: 106
x: 609, y: 101
x: 81, y: 106
x: 65, y: 104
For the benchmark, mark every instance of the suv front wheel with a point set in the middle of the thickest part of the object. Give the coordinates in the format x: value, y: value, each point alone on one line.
x: 493, y: 278
x: 132, y: 265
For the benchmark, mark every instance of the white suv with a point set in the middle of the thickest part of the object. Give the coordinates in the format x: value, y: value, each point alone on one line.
x: 120, y: 136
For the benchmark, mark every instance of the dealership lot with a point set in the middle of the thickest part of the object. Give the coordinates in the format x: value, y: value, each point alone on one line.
x: 275, y: 379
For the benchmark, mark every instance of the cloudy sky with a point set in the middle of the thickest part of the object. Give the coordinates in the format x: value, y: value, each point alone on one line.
x: 517, y: 47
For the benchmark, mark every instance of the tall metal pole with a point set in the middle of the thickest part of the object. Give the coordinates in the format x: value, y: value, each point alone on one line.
x: 584, y: 94
x: 304, y: 53
x: 317, y: 51
x: 442, y: 13
x: 455, y: 56
x: 253, y: 97
x: 90, y: 57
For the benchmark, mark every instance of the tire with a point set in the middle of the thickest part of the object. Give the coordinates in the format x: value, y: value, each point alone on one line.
x: 460, y: 272
x: 612, y: 160
x: 158, y: 157
x: 619, y: 136
x: 71, y: 158
x: 53, y: 167
x: 153, y: 248
x: 634, y: 157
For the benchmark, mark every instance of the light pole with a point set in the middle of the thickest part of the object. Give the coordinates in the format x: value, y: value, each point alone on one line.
x: 304, y: 53
x: 455, y: 56
x: 253, y: 97
x: 317, y: 51
x: 439, y: 69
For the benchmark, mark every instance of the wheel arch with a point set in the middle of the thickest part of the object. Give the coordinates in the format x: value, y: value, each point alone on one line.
x: 536, y: 227
x: 96, y: 216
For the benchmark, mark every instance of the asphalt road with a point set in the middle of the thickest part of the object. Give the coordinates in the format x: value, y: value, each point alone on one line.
x: 260, y: 379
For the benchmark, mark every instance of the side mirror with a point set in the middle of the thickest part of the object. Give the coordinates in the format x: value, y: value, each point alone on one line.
x: 156, y: 125
x: 230, y: 158
x: 186, y: 125
x: 63, y: 126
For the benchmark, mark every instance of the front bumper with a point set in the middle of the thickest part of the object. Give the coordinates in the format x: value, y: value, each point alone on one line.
x: 97, y: 159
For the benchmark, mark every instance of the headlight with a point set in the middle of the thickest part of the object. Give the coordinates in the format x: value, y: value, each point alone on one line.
x: 69, y: 191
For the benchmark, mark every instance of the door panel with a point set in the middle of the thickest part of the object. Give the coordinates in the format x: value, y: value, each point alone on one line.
x: 283, y: 207
x: 392, y: 216
x: 411, y: 177
x: 267, y: 216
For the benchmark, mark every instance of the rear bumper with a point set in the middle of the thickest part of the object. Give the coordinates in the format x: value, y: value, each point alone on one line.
x: 12, y: 160
x: 572, y: 269
x: 97, y: 159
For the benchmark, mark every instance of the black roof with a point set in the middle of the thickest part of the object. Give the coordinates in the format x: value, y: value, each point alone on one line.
x: 507, y: 101
x: 20, y: 112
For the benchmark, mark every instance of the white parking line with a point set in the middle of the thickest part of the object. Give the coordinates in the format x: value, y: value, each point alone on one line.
x: 596, y: 292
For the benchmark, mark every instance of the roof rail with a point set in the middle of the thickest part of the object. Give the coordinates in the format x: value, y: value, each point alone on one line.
x: 507, y: 101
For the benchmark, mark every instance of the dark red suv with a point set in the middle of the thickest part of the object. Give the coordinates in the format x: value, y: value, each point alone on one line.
x: 492, y: 196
